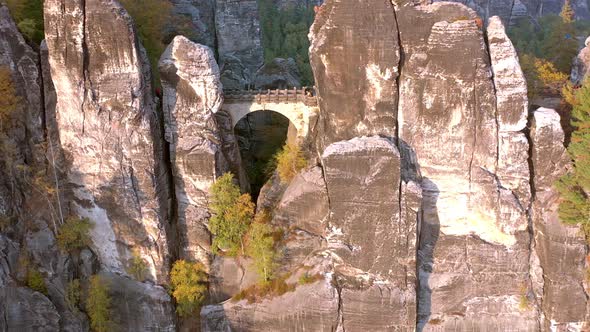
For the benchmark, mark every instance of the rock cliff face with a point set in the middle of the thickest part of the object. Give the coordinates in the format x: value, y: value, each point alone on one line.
x: 192, y: 95
x: 111, y: 139
x: 456, y: 155
x: 238, y: 42
x: 428, y: 203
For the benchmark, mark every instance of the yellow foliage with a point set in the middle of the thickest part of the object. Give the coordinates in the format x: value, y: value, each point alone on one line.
x: 551, y: 78
x: 9, y: 100
x: 98, y: 305
x: 188, y: 283
x: 289, y: 161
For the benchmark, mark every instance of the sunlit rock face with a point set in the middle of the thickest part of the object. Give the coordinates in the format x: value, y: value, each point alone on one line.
x: 109, y: 130
x: 198, y: 150
x: 560, y: 248
x: 355, y: 65
x: 111, y: 137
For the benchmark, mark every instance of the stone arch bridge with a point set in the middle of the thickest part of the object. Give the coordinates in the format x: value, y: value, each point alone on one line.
x: 299, y: 105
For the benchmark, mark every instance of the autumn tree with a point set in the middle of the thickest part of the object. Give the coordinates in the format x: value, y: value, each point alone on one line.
x: 98, y: 305
x: 137, y: 266
x: 260, y: 245
x: 74, y: 234
x: 9, y: 100
x: 231, y: 214
x: 574, y: 187
x: 188, y: 282
x: 567, y: 12
x: 289, y: 161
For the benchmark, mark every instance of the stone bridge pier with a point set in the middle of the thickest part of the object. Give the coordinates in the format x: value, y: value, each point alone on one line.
x: 299, y: 105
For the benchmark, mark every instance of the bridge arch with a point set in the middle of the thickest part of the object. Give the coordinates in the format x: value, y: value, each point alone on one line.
x: 297, y: 105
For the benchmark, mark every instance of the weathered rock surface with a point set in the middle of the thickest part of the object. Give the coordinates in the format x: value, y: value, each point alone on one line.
x: 561, y: 248
x: 109, y: 129
x: 139, y: 306
x: 238, y: 42
x: 278, y: 74
x: 357, y: 90
x: 194, y: 20
x: 581, y: 65
x: 192, y: 94
x: 312, y: 307
x: 22, y: 131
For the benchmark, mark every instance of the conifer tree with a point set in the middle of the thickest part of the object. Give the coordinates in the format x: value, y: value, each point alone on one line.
x: 575, y: 187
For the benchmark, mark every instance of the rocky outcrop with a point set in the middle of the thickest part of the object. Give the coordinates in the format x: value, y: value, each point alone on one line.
x: 238, y: 42
x: 21, y: 131
x: 357, y: 90
x: 109, y: 130
x: 139, y: 306
x: 561, y: 249
x: 581, y: 65
x: 192, y: 94
x: 278, y: 74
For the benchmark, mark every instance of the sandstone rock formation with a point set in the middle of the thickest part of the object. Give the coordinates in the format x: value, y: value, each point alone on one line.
x: 561, y: 249
x: 278, y: 74
x: 581, y: 65
x: 192, y: 95
x: 109, y: 130
x: 238, y: 42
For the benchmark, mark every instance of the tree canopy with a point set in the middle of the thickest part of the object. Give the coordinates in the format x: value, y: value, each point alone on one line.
x: 575, y: 187
x: 231, y: 213
x: 188, y: 283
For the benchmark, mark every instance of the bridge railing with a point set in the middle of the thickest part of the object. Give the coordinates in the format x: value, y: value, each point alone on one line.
x: 305, y: 95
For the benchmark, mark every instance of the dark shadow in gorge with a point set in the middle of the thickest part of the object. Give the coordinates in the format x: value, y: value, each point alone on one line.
x: 428, y: 237
x: 260, y: 136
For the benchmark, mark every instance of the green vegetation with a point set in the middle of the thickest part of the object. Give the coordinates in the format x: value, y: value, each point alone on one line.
x: 9, y: 100
x: 284, y: 35
x: 28, y: 16
x: 574, y: 187
x: 35, y: 280
x: 73, y: 294
x: 231, y: 213
x: 260, y: 245
x: 188, y: 283
x: 272, y: 288
x: 137, y: 266
x: 73, y: 234
x: 98, y: 305
x: 547, y: 50
x: 289, y: 161
x: 150, y: 17
x: 307, y: 278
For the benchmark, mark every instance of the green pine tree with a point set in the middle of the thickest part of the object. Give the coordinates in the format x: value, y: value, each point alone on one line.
x: 575, y: 187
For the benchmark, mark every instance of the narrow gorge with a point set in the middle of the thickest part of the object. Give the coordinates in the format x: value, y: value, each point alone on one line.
x: 427, y: 202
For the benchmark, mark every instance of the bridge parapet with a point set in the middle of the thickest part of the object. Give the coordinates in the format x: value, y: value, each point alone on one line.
x: 304, y: 95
